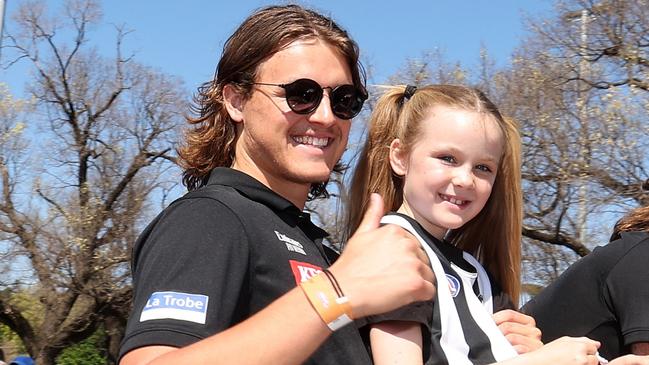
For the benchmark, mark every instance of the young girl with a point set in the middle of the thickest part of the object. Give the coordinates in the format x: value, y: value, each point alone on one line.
x: 448, y: 165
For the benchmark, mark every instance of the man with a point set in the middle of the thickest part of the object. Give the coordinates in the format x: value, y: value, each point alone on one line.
x: 215, y: 274
x: 604, y: 295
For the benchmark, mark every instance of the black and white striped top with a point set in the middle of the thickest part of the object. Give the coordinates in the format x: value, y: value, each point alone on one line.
x: 458, y: 323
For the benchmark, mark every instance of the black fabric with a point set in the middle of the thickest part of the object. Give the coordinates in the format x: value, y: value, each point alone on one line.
x: 427, y: 313
x: 604, y: 296
x: 241, y: 245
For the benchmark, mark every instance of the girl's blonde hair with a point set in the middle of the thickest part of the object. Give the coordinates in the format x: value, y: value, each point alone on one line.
x: 494, y: 235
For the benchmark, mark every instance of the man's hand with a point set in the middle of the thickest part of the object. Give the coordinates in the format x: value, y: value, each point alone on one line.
x: 519, y: 329
x: 382, y: 267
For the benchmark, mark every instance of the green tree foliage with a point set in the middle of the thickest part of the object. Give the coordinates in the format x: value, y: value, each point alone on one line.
x: 88, y: 352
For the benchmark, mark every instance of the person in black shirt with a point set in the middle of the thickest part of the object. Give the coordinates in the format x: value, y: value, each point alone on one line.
x: 235, y: 271
x: 604, y: 295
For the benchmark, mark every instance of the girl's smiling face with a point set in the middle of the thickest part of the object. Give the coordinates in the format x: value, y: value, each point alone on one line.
x: 451, y: 168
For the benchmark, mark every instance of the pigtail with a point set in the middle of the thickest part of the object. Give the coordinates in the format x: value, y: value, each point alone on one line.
x: 373, y: 173
x: 502, y: 256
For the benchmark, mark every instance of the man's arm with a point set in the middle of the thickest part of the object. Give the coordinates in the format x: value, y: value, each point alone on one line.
x: 267, y: 337
x: 381, y: 269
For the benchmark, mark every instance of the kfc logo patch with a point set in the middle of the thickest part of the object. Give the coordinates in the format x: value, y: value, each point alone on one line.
x: 303, y: 271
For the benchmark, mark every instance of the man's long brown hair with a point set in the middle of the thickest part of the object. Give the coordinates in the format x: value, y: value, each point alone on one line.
x: 210, y: 142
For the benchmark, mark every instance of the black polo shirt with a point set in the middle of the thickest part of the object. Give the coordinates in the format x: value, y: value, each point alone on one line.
x: 604, y: 296
x: 218, y: 255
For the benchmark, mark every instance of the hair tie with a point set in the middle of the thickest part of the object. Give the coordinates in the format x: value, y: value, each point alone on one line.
x: 409, y: 91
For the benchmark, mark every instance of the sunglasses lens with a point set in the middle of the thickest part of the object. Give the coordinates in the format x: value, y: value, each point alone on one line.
x: 303, y: 96
x: 347, y: 101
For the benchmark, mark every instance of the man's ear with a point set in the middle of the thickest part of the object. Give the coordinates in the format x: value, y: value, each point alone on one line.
x: 233, y: 101
x: 398, y: 158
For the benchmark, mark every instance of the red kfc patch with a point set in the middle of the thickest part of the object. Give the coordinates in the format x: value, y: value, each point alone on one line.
x: 303, y: 271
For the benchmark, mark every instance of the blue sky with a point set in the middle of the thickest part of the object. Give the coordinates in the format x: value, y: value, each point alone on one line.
x: 184, y: 38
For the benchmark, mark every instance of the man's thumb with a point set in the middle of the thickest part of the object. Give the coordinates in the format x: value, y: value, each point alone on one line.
x: 373, y: 214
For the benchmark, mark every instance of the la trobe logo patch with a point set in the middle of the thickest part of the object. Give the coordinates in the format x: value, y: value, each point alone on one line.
x: 175, y: 305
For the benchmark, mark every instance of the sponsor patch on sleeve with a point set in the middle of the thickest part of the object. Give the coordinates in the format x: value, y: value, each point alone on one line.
x: 303, y: 271
x: 174, y: 305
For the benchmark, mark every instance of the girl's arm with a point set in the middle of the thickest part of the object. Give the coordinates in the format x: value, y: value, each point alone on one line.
x: 562, y: 351
x: 396, y: 342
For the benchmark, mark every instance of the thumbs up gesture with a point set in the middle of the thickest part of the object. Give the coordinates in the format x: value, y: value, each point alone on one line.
x: 382, y: 267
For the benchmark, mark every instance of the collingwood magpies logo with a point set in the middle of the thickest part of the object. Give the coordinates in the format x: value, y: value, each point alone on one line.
x: 453, y: 285
x: 291, y: 244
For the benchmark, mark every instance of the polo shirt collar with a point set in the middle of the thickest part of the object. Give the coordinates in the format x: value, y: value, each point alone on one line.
x: 256, y: 191
x: 250, y: 187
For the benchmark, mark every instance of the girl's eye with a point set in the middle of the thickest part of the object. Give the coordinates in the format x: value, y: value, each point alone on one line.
x: 483, y: 168
x: 449, y: 159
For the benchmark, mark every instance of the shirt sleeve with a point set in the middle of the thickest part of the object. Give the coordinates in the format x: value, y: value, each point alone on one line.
x: 628, y: 287
x: 420, y: 312
x: 190, y: 275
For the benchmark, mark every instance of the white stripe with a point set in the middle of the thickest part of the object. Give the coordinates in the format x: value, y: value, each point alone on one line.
x: 500, y: 347
x: 484, y: 285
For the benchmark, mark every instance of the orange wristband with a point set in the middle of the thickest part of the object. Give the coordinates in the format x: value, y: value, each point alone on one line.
x: 335, y: 311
